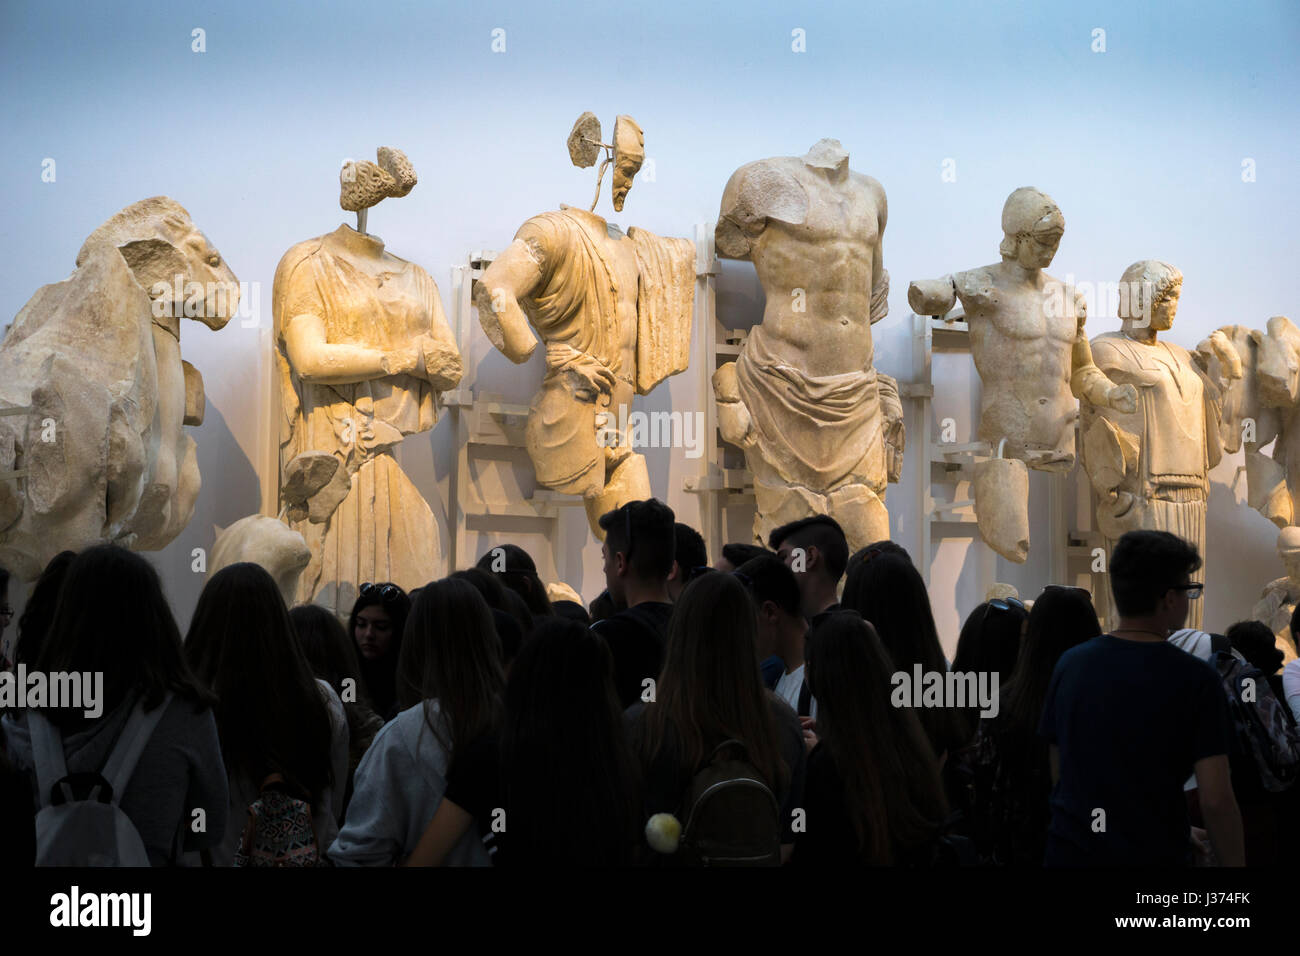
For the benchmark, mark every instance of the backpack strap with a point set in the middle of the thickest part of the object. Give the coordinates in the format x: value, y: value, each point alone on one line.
x: 130, y: 744
x: 47, y: 755
x: 731, y: 742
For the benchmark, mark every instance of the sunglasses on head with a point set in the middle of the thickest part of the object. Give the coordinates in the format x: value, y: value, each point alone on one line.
x: 1002, y: 604
x: 386, y: 592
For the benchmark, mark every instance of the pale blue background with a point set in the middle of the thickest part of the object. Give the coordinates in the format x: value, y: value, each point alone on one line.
x: 1141, y: 146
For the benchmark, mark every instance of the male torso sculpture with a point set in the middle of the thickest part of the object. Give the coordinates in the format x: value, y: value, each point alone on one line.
x: 614, y: 311
x: 1033, y: 357
x: 821, y: 429
x: 362, y: 348
x: 1150, y: 468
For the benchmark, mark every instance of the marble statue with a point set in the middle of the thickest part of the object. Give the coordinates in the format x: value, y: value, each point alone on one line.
x: 1150, y: 467
x: 362, y: 351
x: 821, y: 428
x: 614, y: 311
x: 267, y: 542
x: 1033, y: 357
x: 1278, y: 600
x: 96, y: 361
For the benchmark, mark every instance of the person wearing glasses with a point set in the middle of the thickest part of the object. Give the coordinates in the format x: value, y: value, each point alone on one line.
x: 376, y: 624
x: 1129, y: 716
x: 638, y: 551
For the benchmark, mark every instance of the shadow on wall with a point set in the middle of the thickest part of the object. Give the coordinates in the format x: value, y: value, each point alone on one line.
x: 1242, y: 551
x: 230, y: 491
x: 738, y: 295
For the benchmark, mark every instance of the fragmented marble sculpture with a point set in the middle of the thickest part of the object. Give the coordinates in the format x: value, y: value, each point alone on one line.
x: 362, y: 351
x: 96, y: 360
x: 1260, y: 408
x: 1277, y: 603
x: 821, y: 429
x: 615, y: 313
x: 1150, y: 468
x: 1032, y: 354
x: 267, y: 542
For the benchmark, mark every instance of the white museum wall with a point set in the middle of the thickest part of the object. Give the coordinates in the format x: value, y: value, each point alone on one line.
x: 1141, y: 145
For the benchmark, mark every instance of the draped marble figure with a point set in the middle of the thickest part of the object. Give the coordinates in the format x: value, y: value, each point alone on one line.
x: 1150, y: 468
x: 362, y: 351
x: 821, y: 428
x: 614, y: 311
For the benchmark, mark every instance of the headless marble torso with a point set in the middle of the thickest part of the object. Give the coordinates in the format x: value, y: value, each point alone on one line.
x: 1170, y: 420
x: 804, y: 384
x: 1022, y: 334
x: 813, y: 233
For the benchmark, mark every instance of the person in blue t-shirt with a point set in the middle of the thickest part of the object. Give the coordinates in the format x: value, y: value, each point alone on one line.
x: 1130, y: 717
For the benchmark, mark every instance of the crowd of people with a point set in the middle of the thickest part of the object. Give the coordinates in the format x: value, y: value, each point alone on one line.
x: 692, y: 714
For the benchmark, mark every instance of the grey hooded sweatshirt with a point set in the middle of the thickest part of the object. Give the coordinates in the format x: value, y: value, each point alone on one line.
x: 180, y: 770
x: 395, y: 793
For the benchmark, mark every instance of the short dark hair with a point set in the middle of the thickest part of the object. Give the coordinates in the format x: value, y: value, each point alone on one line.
x: 821, y: 532
x: 737, y: 554
x: 572, y: 611
x: 603, y: 606
x: 1254, y: 641
x: 690, y: 551
x: 1145, y: 565
x: 653, y: 537
x: 519, y: 574
x: 768, y: 579
x: 1295, y: 621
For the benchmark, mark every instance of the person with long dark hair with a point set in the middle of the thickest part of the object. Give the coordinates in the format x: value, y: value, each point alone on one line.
x: 39, y: 610
x: 890, y: 594
x: 113, y: 619
x: 376, y: 625
x: 873, y: 793
x: 513, y: 620
x: 274, y: 717
x: 559, y: 772
x: 6, y: 616
x: 450, y: 685
x: 709, y: 692
x: 333, y: 659
x: 1006, y: 770
x: 989, y: 643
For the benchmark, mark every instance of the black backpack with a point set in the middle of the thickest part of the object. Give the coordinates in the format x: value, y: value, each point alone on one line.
x: 1263, y: 738
x: 731, y: 817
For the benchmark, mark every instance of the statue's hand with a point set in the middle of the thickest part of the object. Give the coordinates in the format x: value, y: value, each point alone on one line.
x: 735, y: 424
x: 1229, y: 360
x: 403, y: 361
x: 589, y: 379
x: 1123, y: 399
x: 442, y: 363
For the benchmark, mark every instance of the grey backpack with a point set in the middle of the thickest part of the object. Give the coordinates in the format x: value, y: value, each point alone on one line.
x: 79, y: 822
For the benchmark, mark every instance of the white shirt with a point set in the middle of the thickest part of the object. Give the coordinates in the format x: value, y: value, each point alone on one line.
x: 1291, y: 687
x: 789, y: 687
